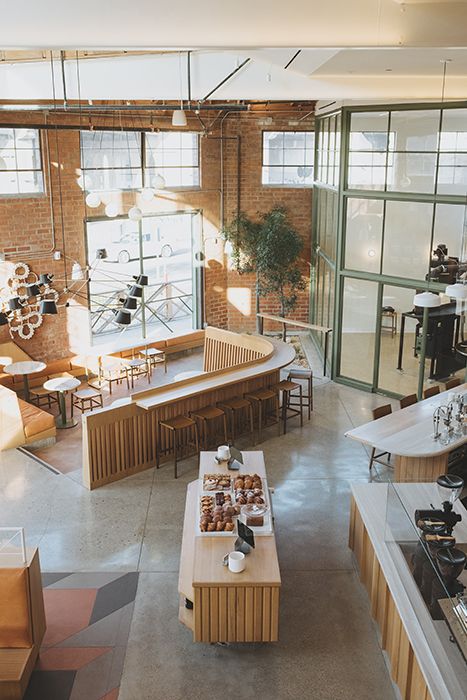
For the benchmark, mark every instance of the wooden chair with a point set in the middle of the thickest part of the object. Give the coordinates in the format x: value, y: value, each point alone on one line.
x: 182, y: 432
x: 380, y: 412
x: 408, y: 400
x: 431, y: 391
x: 240, y: 415
x: 260, y: 399
x: 135, y: 368
x: 85, y: 399
x: 112, y: 371
x: 452, y: 383
x: 307, y: 398
x: 41, y: 397
x: 154, y: 357
x: 288, y: 410
x: 209, y: 419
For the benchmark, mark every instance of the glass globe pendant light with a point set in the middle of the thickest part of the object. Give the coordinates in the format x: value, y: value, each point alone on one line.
x: 93, y: 200
x: 135, y: 214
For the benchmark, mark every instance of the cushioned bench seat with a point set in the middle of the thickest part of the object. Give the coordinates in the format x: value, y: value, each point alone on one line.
x: 176, y: 343
x: 35, y: 420
x: 71, y: 365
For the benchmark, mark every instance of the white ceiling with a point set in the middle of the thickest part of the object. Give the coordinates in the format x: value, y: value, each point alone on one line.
x: 316, y: 74
x: 218, y: 24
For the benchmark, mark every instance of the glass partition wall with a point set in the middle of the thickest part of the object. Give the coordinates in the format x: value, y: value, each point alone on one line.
x: 390, y: 219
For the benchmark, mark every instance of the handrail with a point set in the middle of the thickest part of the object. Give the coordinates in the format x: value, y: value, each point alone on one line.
x: 301, y: 324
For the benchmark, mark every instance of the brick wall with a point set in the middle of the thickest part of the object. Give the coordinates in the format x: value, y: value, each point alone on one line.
x: 26, y: 226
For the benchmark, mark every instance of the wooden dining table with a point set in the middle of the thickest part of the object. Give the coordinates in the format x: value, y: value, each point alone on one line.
x: 408, y: 435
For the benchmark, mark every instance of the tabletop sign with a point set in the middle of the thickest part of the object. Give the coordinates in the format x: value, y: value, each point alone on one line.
x: 236, y: 459
x: 245, y: 541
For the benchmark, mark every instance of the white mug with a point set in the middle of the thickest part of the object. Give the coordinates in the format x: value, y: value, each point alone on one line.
x: 236, y: 562
x: 223, y: 453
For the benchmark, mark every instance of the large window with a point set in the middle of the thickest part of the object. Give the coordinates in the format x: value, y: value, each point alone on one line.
x: 20, y: 162
x: 128, y: 160
x: 166, y: 248
x: 288, y: 158
x: 175, y: 156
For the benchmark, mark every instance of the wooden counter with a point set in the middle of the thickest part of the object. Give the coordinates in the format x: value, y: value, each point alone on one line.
x: 423, y: 663
x: 227, y: 607
x: 408, y: 434
x: 120, y: 440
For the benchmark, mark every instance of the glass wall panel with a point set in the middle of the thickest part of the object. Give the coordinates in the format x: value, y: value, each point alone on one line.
x: 359, y: 303
x: 450, y: 229
x: 407, y: 239
x: 415, y: 130
x: 364, y: 228
x: 412, y: 172
x: 368, y: 145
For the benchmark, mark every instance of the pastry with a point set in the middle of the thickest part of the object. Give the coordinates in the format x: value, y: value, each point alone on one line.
x: 229, y: 527
x: 255, y: 521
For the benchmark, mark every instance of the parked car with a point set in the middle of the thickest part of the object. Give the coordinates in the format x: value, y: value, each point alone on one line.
x: 127, y: 248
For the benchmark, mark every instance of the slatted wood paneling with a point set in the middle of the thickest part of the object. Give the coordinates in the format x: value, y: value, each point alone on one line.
x: 236, y: 614
x: 223, y: 349
x: 405, y: 670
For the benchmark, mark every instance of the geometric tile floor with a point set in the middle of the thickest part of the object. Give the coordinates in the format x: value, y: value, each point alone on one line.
x: 88, y: 618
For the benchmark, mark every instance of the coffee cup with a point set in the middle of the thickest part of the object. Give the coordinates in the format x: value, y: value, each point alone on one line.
x: 223, y: 453
x: 236, y: 562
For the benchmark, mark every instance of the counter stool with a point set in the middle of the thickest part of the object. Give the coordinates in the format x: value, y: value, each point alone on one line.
x: 379, y: 412
x: 286, y: 409
x: 154, y: 357
x: 137, y: 368
x: 208, y: 420
x: 180, y: 428
x: 86, y: 399
x: 303, y: 374
x: 41, y: 397
x: 431, y: 391
x: 260, y: 398
x: 452, y: 383
x: 240, y: 414
x: 408, y: 400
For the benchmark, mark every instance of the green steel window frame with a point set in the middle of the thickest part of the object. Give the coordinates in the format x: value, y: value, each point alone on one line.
x: 344, y: 194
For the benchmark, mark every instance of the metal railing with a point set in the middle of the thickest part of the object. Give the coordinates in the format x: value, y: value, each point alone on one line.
x: 164, y: 303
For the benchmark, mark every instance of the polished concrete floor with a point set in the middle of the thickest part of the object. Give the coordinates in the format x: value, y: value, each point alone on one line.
x: 328, y: 647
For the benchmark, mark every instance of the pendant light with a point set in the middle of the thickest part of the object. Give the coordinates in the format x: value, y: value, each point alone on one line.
x: 179, y: 116
x: 32, y: 290
x: 3, y: 319
x: 457, y: 291
x: 123, y: 317
x: 47, y: 306
x: 45, y: 278
x: 427, y: 300
x: 130, y: 303
x: 135, y: 214
x: 142, y: 280
x: 147, y: 194
x: 159, y: 182
x: 77, y: 272
x: 93, y: 200
x: 111, y: 210
x: 135, y: 291
x: 14, y: 304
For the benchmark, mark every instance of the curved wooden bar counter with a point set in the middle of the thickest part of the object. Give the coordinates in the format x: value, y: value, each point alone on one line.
x: 408, y: 434
x: 119, y: 441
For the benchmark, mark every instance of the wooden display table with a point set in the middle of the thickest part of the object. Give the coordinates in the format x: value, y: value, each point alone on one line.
x: 408, y: 434
x: 227, y: 607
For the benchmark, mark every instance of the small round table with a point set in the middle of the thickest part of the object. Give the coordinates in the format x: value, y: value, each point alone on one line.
x: 62, y: 385
x: 24, y: 368
x: 189, y: 374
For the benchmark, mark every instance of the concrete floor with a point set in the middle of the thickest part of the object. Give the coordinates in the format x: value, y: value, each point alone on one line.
x: 328, y: 647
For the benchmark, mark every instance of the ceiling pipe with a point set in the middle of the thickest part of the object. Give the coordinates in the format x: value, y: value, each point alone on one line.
x: 228, y: 77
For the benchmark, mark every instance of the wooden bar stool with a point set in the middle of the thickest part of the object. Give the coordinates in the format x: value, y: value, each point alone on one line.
x: 180, y: 428
x: 260, y: 399
x: 303, y: 374
x: 208, y: 419
x: 240, y: 414
x: 452, y: 383
x: 408, y: 400
x: 379, y: 412
x: 287, y: 411
x: 431, y: 391
x: 42, y: 397
x: 86, y: 399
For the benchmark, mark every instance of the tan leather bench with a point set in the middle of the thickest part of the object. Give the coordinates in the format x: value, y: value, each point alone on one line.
x: 21, y: 423
x: 22, y: 625
x: 170, y: 346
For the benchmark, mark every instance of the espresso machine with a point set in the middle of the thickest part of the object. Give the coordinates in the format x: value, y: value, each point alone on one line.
x: 437, y: 563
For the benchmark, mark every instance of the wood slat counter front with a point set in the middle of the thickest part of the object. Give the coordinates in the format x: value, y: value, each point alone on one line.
x: 423, y: 662
x: 408, y: 434
x: 120, y: 440
x: 227, y: 607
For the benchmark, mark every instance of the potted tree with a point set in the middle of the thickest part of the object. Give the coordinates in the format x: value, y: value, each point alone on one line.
x: 270, y: 248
